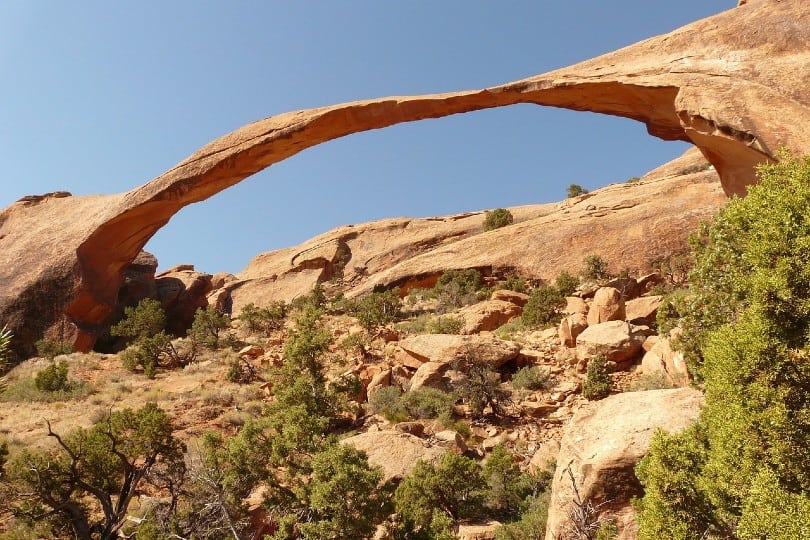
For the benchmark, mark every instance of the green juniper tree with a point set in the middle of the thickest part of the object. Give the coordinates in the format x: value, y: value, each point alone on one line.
x: 742, y: 471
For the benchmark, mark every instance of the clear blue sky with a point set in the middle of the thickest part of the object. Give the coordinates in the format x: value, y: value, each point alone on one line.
x: 99, y: 97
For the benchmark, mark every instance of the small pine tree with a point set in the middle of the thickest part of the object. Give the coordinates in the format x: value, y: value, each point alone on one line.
x: 597, y: 382
x: 208, y: 326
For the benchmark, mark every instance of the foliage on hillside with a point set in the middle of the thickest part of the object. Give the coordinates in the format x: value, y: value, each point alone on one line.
x: 741, y: 472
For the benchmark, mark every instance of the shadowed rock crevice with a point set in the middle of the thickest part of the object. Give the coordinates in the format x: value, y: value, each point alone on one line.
x: 733, y: 84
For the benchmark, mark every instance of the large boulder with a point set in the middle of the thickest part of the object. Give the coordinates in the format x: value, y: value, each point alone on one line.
x: 662, y: 361
x: 602, y: 445
x: 446, y: 348
x: 617, y: 340
x: 396, y: 452
x: 733, y: 84
x: 607, y: 305
x: 571, y: 327
x: 488, y: 316
x: 642, y: 310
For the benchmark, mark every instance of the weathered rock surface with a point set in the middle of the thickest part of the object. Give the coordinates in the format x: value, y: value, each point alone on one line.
x: 604, y: 442
x: 571, y: 327
x: 615, y: 339
x: 607, y: 305
x: 396, y: 452
x: 445, y: 348
x: 487, y: 316
x: 661, y: 360
x: 734, y: 84
x: 182, y: 291
x: 642, y: 310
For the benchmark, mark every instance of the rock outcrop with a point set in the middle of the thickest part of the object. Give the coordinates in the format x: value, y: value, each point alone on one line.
x: 734, y: 84
x: 602, y: 445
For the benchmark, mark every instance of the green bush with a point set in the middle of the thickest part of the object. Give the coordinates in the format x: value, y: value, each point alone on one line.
x: 575, y: 190
x: 457, y: 288
x: 208, y: 326
x: 50, y: 349
x: 595, y: 268
x: 513, y: 283
x: 447, y: 324
x: 543, y: 308
x: 377, y: 309
x: 532, y: 378
x: 742, y: 472
x: 500, y: 217
x: 672, y: 308
x: 388, y: 402
x: 264, y: 319
x: 597, y: 380
x: 142, y: 321
x: 426, y: 402
x: 566, y: 283
x: 481, y: 386
x: 455, y: 487
x: 53, y: 378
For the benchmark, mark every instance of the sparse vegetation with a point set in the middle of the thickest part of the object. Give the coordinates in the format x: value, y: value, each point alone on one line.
x: 566, y: 283
x: 543, y: 307
x: 446, y: 324
x: 207, y: 327
x: 53, y: 378
x: 5, y: 346
x: 575, y: 190
x: 377, y: 309
x: 495, y: 219
x: 457, y: 288
x: 50, y: 349
x: 513, y: 283
x: 595, y: 268
x: 532, y: 378
x: 264, y: 319
x: 597, y: 382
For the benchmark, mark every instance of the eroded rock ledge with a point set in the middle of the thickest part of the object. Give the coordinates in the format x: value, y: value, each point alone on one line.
x: 734, y: 84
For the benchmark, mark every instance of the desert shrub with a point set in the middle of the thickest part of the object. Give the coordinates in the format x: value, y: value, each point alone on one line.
x: 508, y: 488
x: 532, y: 378
x: 50, y: 349
x: 742, y: 472
x: 264, y: 319
x: 674, y: 270
x: 455, y: 487
x: 595, y: 268
x: 149, y: 353
x: 388, y: 402
x: 446, y: 324
x: 316, y: 298
x: 87, y: 482
x: 575, y: 190
x: 672, y: 308
x: 651, y: 381
x: 53, y: 378
x: 495, y: 219
x: 377, y: 309
x: 513, y: 283
x: 356, y: 342
x: 426, y: 402
x: 566, y: 283
x: 142, y: 321
x: 481, y: 386
x: 241, y: 371
x: 456, y: 288
x: 543, y: 307
x: 597, y: 380
x: 207, y: 327
x: 633, y: 180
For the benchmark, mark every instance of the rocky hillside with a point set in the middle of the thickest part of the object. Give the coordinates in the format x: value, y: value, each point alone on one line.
x: 733, y: 84
x: 631, y: 225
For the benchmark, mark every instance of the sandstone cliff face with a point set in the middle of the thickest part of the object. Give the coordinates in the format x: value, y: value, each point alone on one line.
x: 733, y: 84
x: 630, y: 225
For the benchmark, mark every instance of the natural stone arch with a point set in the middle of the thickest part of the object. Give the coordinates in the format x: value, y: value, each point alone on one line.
x: 733, y: 84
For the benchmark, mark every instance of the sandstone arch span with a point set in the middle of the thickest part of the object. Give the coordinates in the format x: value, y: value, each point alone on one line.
x: 734, y: 84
